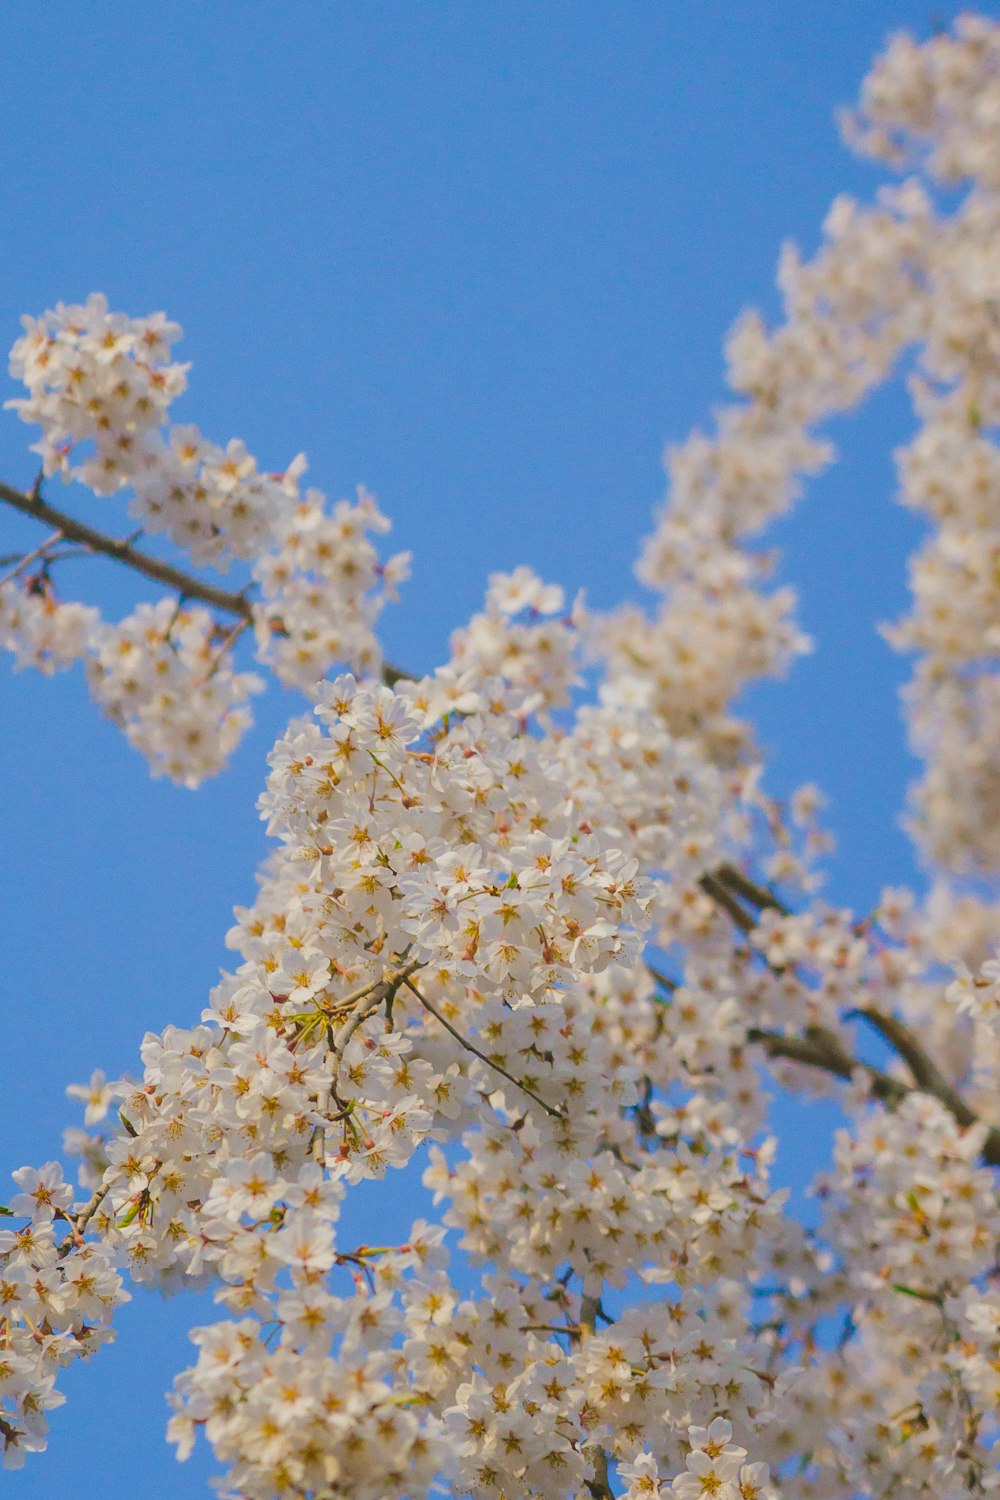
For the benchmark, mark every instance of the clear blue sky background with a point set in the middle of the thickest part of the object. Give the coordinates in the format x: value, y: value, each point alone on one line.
x: 480, y: 257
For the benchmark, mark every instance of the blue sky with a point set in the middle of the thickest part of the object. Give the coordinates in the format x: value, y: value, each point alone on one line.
x: 479, y: 257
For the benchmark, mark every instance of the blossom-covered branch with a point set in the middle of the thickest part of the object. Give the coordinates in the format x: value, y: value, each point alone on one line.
x: 100, y: 386
x: 123, y: 550
x: 556, y: 944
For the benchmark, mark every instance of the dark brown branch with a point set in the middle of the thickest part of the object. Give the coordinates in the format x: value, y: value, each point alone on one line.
x: 713, y: 886
x: 760, y: 896
x: 599, y: 1486
x: 670, y: 985
x: 726, y: 883
x: 926, y: 1074
x: 821, y: 1049
x: 121, y: 550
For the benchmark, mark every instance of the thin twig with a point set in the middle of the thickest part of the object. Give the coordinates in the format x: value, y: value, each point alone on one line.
x: 347, y: 1001
x: 78, y: 1222
x: 556, y: 1114
x: 90, y: 1208
x: 30, y: 557
x: 229, y: 639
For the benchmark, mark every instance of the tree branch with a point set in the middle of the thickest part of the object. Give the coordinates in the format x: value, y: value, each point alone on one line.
x: 926, y: 1074
x: 599, y: 1486
x: 369, y: 999
x: 120, y: 550
x: 821, y: 1049
x: 713, y: 887
x: 758, y: 895
x: 555, y: 1114
x: 670, y: 985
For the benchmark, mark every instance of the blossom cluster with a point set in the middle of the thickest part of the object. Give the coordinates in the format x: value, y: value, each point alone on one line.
x: 58, y: 1293
x: 538, y: 653
x: 100, y: 385
x: 914, y: 273
x: 415, y: 968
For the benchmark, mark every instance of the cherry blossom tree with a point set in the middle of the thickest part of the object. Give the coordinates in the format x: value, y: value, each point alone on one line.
x: 534, y: 926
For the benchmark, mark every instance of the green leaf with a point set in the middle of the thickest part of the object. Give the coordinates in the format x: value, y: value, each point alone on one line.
x: 912, y: 1291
